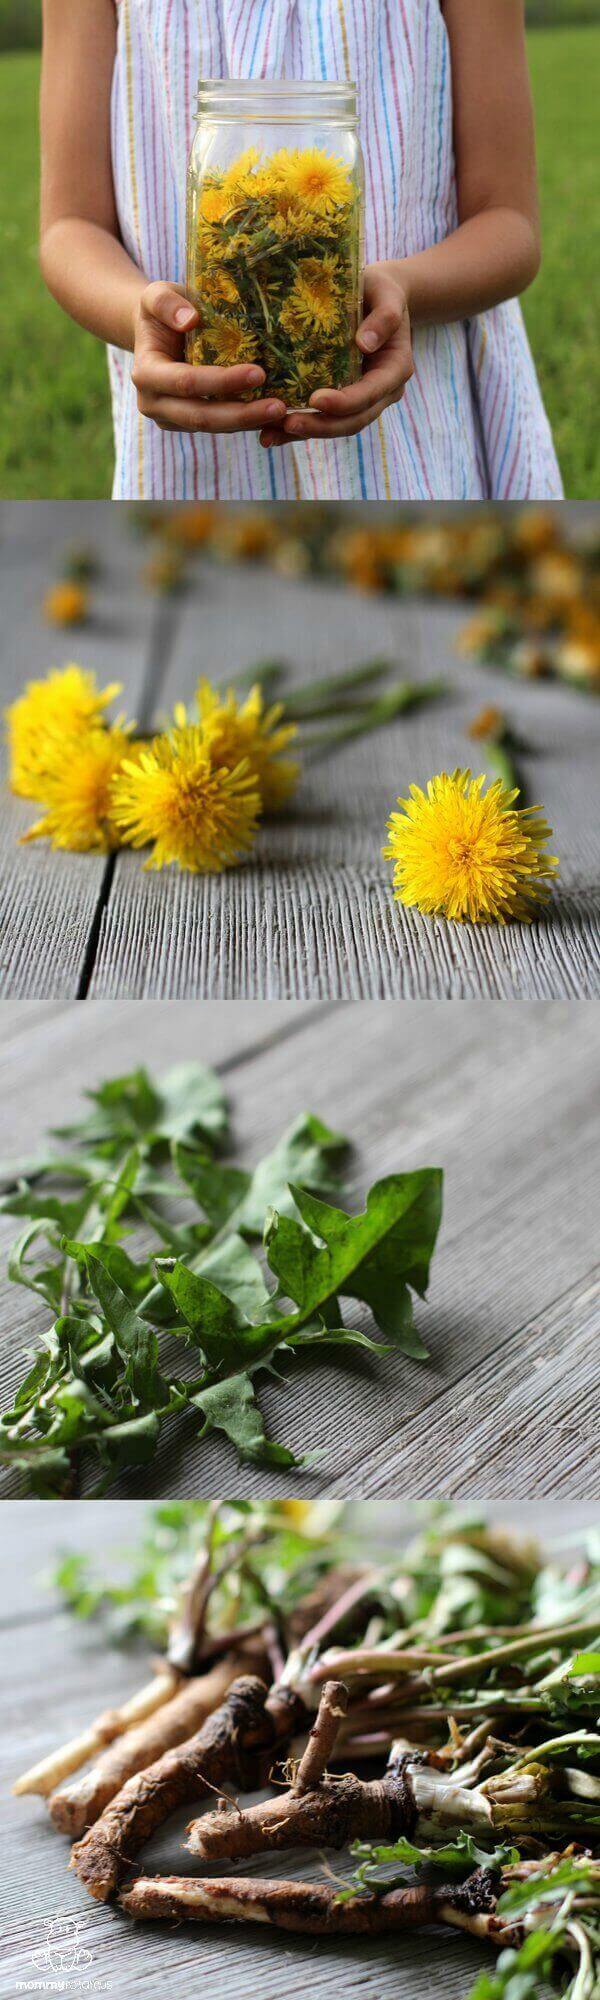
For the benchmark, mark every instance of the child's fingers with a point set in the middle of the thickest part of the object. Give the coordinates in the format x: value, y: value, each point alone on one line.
x: 386, y: 312
x: 387, y: 379
x: 299, y: 429
x: 169, y: 305
x: 379, y: 327
x: 211, y: 418
x: 155, y: 375
x: 273, y: 440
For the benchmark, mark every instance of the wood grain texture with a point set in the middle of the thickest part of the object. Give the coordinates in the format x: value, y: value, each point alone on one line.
x: 312, y: 916
x: 49, y: 903
x: 505, y: 1099
x: 54, y: 1676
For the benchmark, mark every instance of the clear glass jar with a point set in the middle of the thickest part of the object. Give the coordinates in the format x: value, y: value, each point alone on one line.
x: 275, y: 233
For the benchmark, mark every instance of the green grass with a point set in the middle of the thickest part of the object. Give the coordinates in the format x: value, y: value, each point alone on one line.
x: 560, y: 13
x: 21, y: 20
x: 563, y: 306
x: 55, y: 431
x: 20, y: 24
x: 55, y: 428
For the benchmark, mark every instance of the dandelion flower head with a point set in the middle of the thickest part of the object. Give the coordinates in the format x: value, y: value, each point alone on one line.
x: 78, y: 792
x: 468, y: 854
x: 175, y: 798
x: 229, y: 342
x: 254, y: 733
x: 66, y: 604
x: 319, y: 180
x: 58, y: 709
x: 315, y: 299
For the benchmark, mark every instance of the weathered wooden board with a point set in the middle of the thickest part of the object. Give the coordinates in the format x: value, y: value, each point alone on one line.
x: 54, y: 1676
x: 50, y: 903
x: 312, y: 916
x: 504, y: 1098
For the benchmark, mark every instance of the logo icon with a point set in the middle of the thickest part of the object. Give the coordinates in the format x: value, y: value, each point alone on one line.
x: 63, y: 1951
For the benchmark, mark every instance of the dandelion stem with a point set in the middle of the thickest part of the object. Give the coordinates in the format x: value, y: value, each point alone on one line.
x: 409, y: 695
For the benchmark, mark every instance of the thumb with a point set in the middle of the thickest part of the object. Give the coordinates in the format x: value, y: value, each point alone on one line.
x: 385, y: 317
x: 169, y: 305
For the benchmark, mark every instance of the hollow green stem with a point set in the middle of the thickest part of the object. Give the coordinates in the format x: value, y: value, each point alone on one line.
x: 409, y: 695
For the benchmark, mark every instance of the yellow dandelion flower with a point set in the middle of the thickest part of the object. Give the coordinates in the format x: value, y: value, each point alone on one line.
x: 213, y: 204
x: 300, y: 379
x: 191, y: 811
x: 290, y: 217
x: 579, y: 660
x: 315, y: 295
x: 534, y: 530
x: 65, y: 705
x: 489, y: 723
x: 558, y: 577
x: 467, y: 854
x: 584, y: 623
x: 481, y: 632
x: 192, y: 527
x: 357, y: 553
x: 66, y: 604
x: 248, y: 537
x: 218, y: 288
x: 293, y: 223
x: 77, y: 792
x: 260, y: 185
x: 293, y: 321
x: 210, y: 249
x: 228, y: 341
x: 234, y: 184
x: 252, y: 733
x: 317, y: 178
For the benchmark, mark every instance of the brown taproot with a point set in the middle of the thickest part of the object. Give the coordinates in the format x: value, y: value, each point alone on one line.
x: 236, y: 1744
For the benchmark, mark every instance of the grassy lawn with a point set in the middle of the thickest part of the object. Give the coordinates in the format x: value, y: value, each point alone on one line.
x: 562, y: 308
x: 55, y: 433
x: 55, y: 429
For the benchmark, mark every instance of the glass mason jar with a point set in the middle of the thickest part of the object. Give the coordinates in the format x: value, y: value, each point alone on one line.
x: 275, y: 233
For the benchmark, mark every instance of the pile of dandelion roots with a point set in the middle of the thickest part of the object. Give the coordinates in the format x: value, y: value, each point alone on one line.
x: 434, y: 1719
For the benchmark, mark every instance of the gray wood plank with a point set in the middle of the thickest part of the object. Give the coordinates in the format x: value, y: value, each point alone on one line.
x: 550, y: 1407
x: 54, y: 1676
x: 312, y: 915
x: 505, y: 1099
x: 48, y: 902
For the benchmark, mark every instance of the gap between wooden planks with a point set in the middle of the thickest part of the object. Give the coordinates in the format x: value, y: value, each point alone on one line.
x: 312, y: 916
x: 513, y: 1277
x: 51, y: 904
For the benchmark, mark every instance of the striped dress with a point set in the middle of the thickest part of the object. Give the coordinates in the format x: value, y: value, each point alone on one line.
x: 472, y: 423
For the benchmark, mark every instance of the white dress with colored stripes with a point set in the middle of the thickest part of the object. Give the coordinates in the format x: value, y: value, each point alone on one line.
x: 472, y: 423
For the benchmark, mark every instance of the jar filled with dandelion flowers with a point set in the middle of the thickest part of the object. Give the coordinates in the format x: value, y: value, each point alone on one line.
x: 275, y: 233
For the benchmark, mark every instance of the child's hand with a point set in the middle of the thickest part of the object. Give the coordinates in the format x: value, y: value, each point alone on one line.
x: 182, y: 398
x: 384, y: 338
